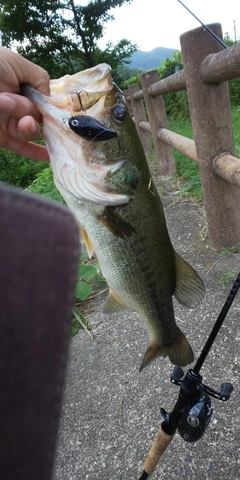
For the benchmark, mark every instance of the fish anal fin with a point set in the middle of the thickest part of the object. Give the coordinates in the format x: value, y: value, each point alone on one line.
x: 117, y: 225
x: 189, y: 289
x: 179, y: 352
x: 114, y: 304
x: 84, y: 236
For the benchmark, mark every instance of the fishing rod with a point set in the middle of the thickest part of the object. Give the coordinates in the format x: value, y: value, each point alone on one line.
x: 192, y: 412
x: 205, y: 26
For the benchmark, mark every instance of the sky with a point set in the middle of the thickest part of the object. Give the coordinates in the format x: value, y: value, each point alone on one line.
x: 158, y: 23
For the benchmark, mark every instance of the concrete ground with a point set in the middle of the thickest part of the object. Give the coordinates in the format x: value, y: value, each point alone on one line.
x: 111, y: 411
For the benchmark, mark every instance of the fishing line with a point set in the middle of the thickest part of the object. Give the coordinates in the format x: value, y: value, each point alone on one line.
x: 218, y: 324
x: 205, y: 26
x: 219, y: 260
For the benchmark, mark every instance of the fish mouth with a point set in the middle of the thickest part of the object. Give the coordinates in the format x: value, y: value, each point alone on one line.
x: 80, y: 168
x: 79, y: 93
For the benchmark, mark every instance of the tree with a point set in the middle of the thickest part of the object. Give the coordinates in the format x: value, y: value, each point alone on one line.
x: 60, y: 35
x: 169, y: 67
x: 116, y: 56
x: 176, y: 103
x: 228, y: 40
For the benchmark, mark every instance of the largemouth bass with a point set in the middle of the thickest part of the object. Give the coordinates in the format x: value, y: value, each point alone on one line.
x: 100, y: 169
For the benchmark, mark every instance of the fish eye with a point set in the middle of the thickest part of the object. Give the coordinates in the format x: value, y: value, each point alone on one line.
x: 119, y: 112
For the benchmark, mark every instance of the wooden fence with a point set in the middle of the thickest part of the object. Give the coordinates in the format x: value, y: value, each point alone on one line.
x: 207, y: 68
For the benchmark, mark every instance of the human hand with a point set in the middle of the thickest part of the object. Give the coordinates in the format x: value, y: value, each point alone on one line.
x: 19, y: 118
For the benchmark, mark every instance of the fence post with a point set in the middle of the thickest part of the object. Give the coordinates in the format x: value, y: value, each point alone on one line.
x: 128, y: 100
x: 212, y: 127
x: 140, y: 116
x: 157, y: 119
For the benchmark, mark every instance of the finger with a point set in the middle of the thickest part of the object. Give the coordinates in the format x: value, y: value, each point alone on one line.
x: 26, y: 149
x: 28, y: 129
x: 24, y: 71
x: 17, y: 106
x: 34, y: 151
x: 36, y: 76
x: 25, y: 129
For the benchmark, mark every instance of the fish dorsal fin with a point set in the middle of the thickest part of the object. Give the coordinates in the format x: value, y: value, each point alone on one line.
x: 189, y: 290
x: 84, y: 236
x: 114, y: 304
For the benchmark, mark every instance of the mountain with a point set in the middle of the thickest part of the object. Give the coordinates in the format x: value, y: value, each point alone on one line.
x: 147, y: 60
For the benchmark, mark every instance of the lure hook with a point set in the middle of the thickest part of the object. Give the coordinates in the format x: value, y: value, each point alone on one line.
x: 78, y: 93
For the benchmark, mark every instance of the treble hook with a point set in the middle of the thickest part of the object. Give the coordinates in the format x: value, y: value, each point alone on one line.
x: 78, y: 93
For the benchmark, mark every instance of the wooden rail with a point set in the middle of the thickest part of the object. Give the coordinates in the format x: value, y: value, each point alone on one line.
x: 207, y: 68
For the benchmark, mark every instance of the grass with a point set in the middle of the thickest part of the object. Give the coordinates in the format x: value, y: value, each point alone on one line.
x: 44, y: 185
x: 236, y: 129
x: 88, y: 276
x: 229, y: 277
x: 187, y: 169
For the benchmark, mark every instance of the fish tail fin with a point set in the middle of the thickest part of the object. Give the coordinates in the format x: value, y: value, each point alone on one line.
x: 179, y: 352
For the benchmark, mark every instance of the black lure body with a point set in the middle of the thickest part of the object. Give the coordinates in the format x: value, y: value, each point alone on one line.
x: 90, y: 129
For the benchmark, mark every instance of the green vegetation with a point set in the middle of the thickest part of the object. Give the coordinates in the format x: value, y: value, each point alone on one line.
x: 175, y: 103
x: 17, y: 170
x: 44, y: 185
x: 230, y: 250
x: 86, y: 273
x: 228, y: 278
x: 61, y: 36
x: 187, y: 169
x: 177, y: 109
x: 88, y: 277
x: 236, y: 127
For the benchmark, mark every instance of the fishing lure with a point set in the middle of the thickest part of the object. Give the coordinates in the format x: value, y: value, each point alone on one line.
x: 90, y: 129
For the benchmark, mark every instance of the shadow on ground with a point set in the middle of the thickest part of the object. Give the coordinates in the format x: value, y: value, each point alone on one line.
x: 111, y: 411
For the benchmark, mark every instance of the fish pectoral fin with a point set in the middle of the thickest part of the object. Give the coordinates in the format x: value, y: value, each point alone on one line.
x: 179, y: 352
x: 84, y: 236
x: 189, y: 290
x: 113, y: 304
x: 117, y: 225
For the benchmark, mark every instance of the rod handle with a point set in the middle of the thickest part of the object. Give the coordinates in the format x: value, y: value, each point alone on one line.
x: 158, y: 447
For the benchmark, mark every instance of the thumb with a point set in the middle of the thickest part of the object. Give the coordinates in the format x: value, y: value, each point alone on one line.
x: 23, y: 71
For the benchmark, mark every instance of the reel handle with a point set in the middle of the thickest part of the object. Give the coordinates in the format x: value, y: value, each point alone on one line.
x: 177, y: 375
x: 225, y: 392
